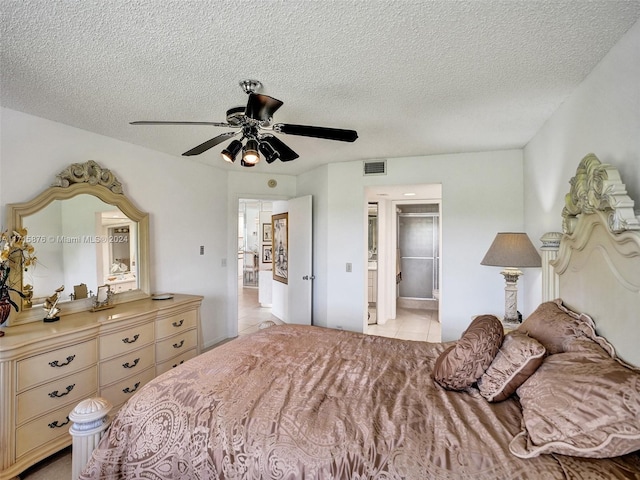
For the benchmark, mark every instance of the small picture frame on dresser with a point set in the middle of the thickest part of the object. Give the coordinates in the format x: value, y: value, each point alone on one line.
x: 103, y: 298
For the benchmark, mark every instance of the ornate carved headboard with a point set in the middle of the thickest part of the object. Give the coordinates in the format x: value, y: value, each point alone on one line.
x: 597, y: 269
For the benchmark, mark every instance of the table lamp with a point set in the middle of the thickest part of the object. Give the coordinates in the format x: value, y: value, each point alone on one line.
x: 511, y: 251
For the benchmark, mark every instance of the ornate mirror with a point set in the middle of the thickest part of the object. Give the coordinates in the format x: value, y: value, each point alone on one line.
x: 86, y: 234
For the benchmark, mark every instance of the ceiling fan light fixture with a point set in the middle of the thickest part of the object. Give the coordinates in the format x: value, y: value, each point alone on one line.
x: 250, y: 154
x: 269, y: 153
x: 250, y: 119
x: 229, y: 154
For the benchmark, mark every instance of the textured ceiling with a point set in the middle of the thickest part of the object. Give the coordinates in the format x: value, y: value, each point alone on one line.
x: 412, y: 77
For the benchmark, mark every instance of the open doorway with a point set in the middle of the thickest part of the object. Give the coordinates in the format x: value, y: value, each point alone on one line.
x: 254, y: 264
x: 403, y: 262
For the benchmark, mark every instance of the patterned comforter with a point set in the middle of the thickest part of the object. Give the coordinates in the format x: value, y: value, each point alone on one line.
x: 293, y: 402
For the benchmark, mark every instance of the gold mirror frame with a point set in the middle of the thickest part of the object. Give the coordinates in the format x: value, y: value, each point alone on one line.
x: 88, y: 178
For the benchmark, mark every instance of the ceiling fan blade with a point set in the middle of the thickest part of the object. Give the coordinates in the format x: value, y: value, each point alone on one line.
x: 261, y: 107
x: 203, y: 147
x: 285, y: 154
x: 317, y: 132
x: 155, y: 122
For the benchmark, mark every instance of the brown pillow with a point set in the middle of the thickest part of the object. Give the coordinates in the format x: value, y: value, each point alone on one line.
x: 581, y: 403
x: 459, y: 366
x: 518, y: 357
x: 556, y: 327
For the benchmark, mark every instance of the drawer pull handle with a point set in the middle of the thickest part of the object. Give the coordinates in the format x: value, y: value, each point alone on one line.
x: 55, y: 393
x: 181, y: 362
x: 128, y: 340
x: 128, y: 390
x: 58, y: 425
x: 178, y: 324
x: 56, y: 363
x: 178, y: 345
x: 128, y: 365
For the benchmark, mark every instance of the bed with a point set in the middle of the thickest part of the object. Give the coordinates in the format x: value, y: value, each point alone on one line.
x: 553, y: 399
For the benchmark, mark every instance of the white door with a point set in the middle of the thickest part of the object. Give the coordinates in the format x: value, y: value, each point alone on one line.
x: 300, y: 275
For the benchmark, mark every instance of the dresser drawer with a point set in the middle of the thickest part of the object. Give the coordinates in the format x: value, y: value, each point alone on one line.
x: 39, y: 400
x: 176, y: 324
x: 55, y: 364
x: 126, y: 365
x: 120, y: 392
x: 174, y: 362
x: 172, y: 346
x: 44, y: 429
x: 126, y: 340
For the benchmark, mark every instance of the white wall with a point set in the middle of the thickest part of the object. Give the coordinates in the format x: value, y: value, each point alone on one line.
x: 481, y: 195
x: 187, y: 201
x: 602, y: 116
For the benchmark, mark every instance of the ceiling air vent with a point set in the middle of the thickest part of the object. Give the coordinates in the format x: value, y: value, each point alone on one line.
x: 379, y: 167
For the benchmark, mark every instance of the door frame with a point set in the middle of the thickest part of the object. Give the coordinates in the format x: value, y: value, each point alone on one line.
x: 390, y: 196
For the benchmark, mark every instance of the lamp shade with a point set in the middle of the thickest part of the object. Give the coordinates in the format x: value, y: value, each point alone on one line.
x: 512, y: 250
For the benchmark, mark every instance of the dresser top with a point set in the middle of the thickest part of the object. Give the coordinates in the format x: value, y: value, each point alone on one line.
x: 86, y: 324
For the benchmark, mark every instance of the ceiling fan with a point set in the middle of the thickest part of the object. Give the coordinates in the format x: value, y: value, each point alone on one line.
x: 254, y: 123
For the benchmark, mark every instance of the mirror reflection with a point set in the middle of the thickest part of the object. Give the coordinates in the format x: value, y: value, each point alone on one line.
x: 81, y: 243
x: 373, y: 232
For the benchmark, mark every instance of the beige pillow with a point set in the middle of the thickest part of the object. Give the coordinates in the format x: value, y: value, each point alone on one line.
x: 581, y: 403
x: 518, y: 357
x: 460, y: 366
x: 556, y: 327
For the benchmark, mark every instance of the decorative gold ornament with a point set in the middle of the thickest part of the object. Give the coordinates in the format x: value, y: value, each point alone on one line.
x: 50, y: 306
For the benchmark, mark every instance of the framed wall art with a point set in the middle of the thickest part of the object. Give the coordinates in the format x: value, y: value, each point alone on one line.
x: 267, y: 254
x: 266, y: 233
x: 280, y: 251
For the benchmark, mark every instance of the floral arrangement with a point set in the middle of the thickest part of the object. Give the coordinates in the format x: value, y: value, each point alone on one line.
x: 16, y: 251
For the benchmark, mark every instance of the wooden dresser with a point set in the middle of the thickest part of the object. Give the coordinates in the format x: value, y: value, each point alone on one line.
x: 47, y: 368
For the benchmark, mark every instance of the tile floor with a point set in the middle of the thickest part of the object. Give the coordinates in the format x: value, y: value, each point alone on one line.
x: 409, y: 324
x: 250, y: 313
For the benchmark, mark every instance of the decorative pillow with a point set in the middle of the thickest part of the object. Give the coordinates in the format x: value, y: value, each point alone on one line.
x: 581, y: 403
x: 518, y: 357
x: 556, y: 327
x: 460, y: 366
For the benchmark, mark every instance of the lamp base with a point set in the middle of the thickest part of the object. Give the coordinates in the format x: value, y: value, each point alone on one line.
x: 511, y: 295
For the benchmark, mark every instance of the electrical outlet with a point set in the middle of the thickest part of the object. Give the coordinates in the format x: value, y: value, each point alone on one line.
x: 348, y: 267
x: 201, y: 249
x: 223, y: 262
